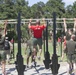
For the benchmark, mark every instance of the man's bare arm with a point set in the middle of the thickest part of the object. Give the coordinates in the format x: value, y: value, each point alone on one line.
x: 5, y: 28
x: 65, y: 26
x: 44, y: 22
x: 74, y: 24
x: 29, y: 23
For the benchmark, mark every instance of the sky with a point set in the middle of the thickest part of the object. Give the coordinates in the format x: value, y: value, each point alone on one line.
x: 67, y: 2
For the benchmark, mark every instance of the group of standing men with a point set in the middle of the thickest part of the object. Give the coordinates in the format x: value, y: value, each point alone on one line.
x: 36, y: 39
x: 70, y: 45
x: 34, y: 44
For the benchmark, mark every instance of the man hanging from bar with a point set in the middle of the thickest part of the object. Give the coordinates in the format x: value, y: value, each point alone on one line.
x: 37, y: 34
x: 71, y: 37
x: 68, y: 32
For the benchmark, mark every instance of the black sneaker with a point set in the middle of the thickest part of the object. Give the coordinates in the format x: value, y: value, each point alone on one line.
x: 35, y: 64
x: 32, y: 64
x: 27, y: 66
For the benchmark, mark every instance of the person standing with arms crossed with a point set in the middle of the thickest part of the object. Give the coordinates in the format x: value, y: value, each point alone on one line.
x: 37, y: 34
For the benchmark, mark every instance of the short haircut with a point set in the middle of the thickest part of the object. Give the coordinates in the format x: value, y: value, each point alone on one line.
x: 37, y: 21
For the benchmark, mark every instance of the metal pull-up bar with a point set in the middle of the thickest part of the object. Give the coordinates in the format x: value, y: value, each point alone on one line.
x: 26, y: 21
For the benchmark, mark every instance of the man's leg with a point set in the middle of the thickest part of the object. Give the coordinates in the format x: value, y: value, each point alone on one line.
x: 28, y: 56
x: 34, y: 49
x: 33, y: 59
x: 70, y: 62
x: 34, y: 54
x: 70, y: 68
x: 40, y: 47
x: 8, y: 58
x: 27, y: 61
x: 3, y: 67
x: 40, y: 52
x: 3, y: 62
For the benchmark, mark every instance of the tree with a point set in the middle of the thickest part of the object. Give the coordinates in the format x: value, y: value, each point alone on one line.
x: 10, y: 8
x: 74, y: 9
x: 37, y: 10
x: 54, y: 6
x: 69, y: 11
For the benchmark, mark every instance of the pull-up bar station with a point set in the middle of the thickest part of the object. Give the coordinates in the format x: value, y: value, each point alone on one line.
x: 19, y: 59
x: 26, y: 21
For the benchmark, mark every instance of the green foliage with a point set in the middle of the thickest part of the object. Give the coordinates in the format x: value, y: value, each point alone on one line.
x: 55, y: 6
x: 10, y: 8
x: 37, y: 10
x: 25, y: 31
x: 74, y: 9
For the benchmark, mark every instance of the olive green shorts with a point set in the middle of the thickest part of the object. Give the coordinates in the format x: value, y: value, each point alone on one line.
x: 37, y: 41
x: 2, y: 56
x: 70, y: 58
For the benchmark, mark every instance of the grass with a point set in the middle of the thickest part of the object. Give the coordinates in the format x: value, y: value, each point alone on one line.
x: 50, y: 49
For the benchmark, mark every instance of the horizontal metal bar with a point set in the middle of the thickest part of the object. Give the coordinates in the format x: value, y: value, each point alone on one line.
x: 26, y: 21
x: 61, y: 22
x: 35, y: 22
x: 58, y: 28
x: 50, y: 19
x: 40, y: 19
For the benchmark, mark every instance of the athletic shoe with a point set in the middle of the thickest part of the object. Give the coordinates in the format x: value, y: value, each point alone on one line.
x: 27, y: 66
x: 33, y: 64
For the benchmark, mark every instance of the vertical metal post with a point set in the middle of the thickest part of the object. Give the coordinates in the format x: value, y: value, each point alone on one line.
x: 19, y: 33
x: 13, y: 44
x: 47, y: 37
x: 54, y: 65
x: 13, y: 47
x: 47, y: 60
x: 61, y: 43
x: 19, y: 62
x: 44, y: 41
x: 54, y: 33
